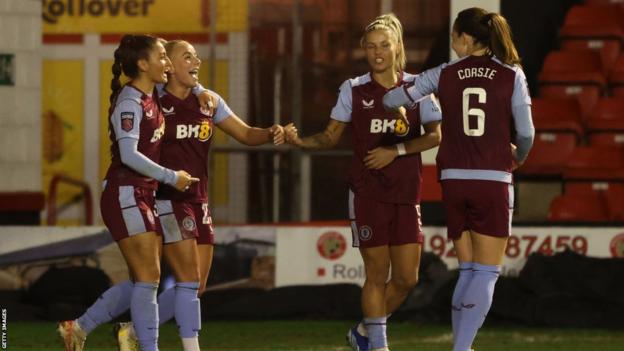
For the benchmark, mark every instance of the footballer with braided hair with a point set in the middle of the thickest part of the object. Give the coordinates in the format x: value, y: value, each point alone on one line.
x: 384, y: 177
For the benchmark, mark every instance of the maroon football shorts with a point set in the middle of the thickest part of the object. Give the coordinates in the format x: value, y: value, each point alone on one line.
x: 128, y: 210
x: 375, y: 223
x: 483, y: 206
x: 185, y: 220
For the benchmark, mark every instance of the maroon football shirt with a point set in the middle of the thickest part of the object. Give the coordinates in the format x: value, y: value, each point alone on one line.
x: 135, y: 115
x: 360, y: 103
x: 476, y: 96
x: 187, y: 142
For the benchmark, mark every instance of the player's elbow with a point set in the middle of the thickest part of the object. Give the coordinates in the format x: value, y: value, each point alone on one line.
x: 436, y: 138
x: 332, y: 143
x: 434, y: 133
x: 125, y: 158
x: 329, y: 140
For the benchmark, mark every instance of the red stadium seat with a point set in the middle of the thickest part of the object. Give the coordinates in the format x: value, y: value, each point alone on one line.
x: 589, y: 187
x: 606, y: 123
x: 608, y: 114
x: 578, y: 208
x: 606, y: 138
x: 612, y: 194
x: 598, y: 27
x: 595, y: 15
x: 552, y: 115
x: 595, y: 163
x: 605, y: 39
x: 616, y: 79
x: 615, y: 202
x: 606, y: 2
x: 549, y: 154
x: 573, y: 74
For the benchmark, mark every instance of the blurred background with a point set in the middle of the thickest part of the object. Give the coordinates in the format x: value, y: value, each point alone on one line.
x: 274, y: 62
x: 281, y: 213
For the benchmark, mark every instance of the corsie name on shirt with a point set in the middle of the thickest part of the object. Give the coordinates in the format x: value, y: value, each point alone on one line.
x: 476, y: 72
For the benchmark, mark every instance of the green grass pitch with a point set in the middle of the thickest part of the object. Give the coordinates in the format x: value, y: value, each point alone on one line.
x: 329, y: 335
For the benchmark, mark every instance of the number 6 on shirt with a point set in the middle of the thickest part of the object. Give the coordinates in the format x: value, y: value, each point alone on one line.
x: 477, y: 112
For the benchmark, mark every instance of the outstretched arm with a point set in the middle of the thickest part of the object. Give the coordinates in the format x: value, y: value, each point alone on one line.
x: 424, y: 84
x: 132, y: 158
x: 327, y: 139
x: 251, y: 136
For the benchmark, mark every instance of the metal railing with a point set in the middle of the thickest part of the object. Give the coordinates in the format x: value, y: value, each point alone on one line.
x: 53, y: 189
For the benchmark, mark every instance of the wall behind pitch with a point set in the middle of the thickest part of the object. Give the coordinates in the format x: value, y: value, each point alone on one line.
x: 62, y: 123
x: 20, y: 128
x: 89, y: 31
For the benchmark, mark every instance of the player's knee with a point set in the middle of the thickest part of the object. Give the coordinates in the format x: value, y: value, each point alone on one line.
x: 405, y: 282
x: 188, y: 277
x: 377, y: 279
x: 148, y: 275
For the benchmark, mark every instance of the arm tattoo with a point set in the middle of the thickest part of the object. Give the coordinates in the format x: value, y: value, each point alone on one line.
x: 323, y: 140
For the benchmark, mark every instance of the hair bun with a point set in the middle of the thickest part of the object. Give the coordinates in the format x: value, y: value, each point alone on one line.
x: 127, y: 39
x: 487, y: 19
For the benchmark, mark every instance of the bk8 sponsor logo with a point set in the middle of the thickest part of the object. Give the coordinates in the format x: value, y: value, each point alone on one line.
x: 396, y: 126
x: 201, y: 131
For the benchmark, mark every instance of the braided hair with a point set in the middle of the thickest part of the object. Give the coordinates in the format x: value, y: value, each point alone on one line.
x: 392, y: 24
x: 131, y: 49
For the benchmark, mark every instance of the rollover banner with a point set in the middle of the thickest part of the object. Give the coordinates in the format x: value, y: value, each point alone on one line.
x: 323, y: 255
x: 142, y: 16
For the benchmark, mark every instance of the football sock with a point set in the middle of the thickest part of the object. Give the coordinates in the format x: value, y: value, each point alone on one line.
x: 376, y: 328
x: 187, y: 309
x: 475, y: 304
x: 465, y: 274
x: 190, y: 344
x: 144, y: 310
x: 361, y: 329
x: 107, y: 307
x: 166, y: 305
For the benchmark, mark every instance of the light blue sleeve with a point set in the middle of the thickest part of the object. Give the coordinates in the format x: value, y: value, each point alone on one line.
x: 131, y: 157
x: 342, y: 111
x: 521, y: 94
x: 430, y: 110
x: 424, y: 84
x: 525, y: 131
x: 222, y: 111
x: 126, y: 119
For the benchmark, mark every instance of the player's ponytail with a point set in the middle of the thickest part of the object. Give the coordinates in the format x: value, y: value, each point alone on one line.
x: 115, y: 84
x: 131, y: 49
x: 489, y: 29
x: 392, y: 24
x: 501, y: 42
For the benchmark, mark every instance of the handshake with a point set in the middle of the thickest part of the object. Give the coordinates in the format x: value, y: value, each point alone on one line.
x: 284, y: 134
